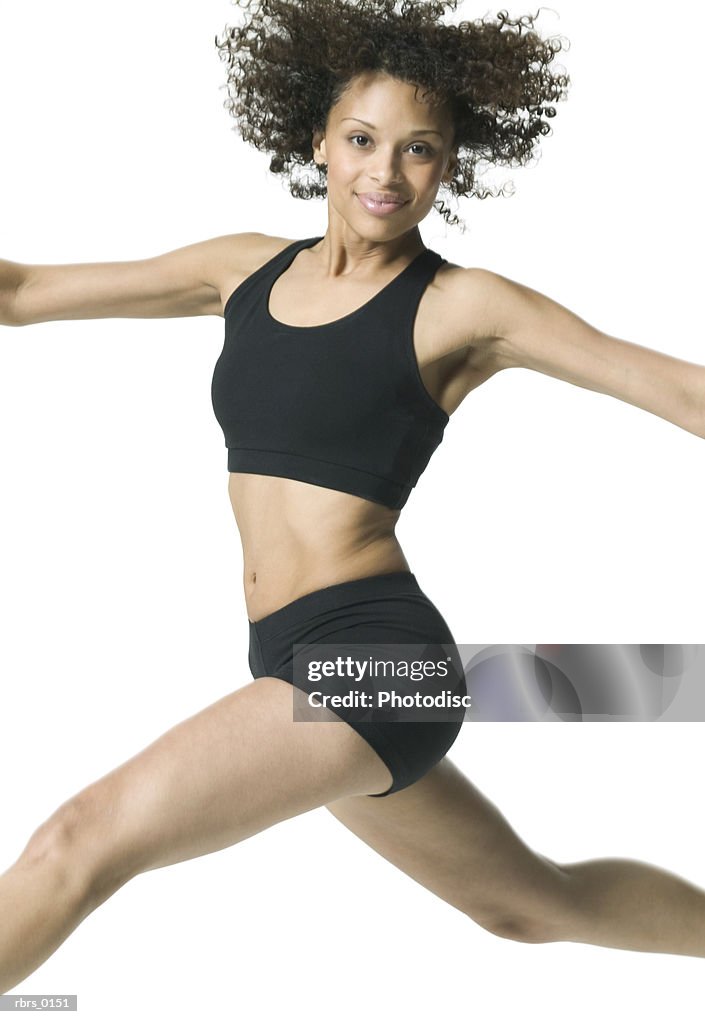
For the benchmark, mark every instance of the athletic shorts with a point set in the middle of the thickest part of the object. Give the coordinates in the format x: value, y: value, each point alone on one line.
x: 387, y: 609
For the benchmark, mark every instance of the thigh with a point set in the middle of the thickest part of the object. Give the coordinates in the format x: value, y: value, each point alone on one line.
x: 226, y: 773
x: 446, y: 835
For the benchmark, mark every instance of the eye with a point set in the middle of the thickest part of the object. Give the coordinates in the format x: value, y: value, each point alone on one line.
x: 426, y: 151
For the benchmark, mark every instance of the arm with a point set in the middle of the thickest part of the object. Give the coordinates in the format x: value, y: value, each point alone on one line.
x: 530, y: 330
x: 182, y: 282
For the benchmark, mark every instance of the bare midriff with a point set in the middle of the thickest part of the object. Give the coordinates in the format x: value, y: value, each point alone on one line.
x: 297, y: 537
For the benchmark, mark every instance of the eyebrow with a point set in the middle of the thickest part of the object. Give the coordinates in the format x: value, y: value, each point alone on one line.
x: 414, y: 131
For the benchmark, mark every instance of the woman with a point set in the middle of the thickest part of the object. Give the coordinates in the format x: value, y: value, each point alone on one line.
x: 316, y: 505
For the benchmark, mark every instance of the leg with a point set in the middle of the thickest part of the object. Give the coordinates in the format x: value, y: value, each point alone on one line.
x: 446, y: 835
x: 228, y: 772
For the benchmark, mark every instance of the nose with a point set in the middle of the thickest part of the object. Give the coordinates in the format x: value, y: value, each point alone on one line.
x: 386, y: 171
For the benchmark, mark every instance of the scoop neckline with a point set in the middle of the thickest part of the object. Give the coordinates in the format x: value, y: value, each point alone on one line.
x: 342, y: 319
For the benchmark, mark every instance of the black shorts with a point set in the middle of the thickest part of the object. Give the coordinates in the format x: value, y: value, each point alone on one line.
x: 389, y: 608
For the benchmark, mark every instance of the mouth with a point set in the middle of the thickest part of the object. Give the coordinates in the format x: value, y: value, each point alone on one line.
x: 381, y: 203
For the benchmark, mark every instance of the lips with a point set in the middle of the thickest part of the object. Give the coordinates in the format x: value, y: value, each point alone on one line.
x: 383, y: 197
x: 381, y: 203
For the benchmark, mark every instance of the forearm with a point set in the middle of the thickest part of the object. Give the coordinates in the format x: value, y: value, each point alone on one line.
x: 11, y: 277
x: 652, y: 380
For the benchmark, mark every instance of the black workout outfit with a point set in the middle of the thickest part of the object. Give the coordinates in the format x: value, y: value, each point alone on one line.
x: 341, y: 405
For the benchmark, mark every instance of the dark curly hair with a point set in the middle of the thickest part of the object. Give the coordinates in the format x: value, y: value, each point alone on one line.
x: 291, y: 61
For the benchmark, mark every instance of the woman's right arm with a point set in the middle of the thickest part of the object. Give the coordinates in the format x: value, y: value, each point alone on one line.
x: 189, y: 281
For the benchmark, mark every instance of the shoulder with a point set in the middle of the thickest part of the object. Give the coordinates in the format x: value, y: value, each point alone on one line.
x: 233, y: 258
x: 467, y: 300
x: 254, y: 248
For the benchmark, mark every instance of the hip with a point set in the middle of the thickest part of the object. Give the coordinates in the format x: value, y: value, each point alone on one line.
x: 386, y: 612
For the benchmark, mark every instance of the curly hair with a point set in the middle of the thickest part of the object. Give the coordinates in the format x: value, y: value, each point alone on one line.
x: 291, y: 61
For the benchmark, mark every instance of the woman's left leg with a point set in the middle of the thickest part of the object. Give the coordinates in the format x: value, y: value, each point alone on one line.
x: 449, y: 837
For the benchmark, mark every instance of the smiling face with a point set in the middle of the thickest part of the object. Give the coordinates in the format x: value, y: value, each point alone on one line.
x: 383, y: 142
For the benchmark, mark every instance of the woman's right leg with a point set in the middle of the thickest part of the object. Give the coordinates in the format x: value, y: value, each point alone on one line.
x: 228, y: 772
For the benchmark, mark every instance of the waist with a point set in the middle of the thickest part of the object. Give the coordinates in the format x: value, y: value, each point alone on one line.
x: 361, y: 589
x: 274, y: 580
x: 297, y: 537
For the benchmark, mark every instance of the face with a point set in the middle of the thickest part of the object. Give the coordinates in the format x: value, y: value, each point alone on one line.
x: 382, y: 142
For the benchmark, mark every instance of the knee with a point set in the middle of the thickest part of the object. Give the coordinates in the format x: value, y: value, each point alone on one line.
x: 518, y: 927
x: 55, y: 837
x: 68, y: 843
x: 531, y: 914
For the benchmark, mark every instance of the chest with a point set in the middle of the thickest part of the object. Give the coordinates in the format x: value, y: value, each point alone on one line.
x: 438, y: 343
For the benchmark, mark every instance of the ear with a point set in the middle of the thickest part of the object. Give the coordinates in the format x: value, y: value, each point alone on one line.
x: 451, y: 166
x: 319, y: 147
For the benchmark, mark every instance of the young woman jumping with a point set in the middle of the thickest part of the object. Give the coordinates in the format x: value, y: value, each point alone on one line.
x: 345, y: 356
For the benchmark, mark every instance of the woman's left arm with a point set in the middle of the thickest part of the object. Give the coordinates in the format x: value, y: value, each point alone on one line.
x: 527, y: 329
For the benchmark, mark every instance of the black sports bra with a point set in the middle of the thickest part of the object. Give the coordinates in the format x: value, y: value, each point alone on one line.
x: 342, y: 404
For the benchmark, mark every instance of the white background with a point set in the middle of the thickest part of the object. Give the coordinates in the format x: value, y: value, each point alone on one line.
x: 550, y: 512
